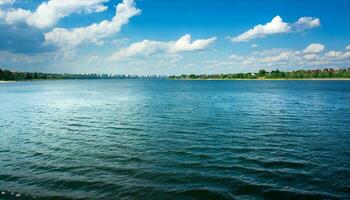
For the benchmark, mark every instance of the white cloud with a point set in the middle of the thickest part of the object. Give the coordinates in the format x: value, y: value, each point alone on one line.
x: 333, y: 54
x: 68, y: 38
x: 277, y: 26
x: 283, y: 56
x: 338, y: 55
x: 304, y: 23
x: 3, y: 2
x: 274, y: 27
x: 345, y: 55
x: 99, y: 8
x: 310, y: 57
x: 17, y: 16
x: 314, y: 48
x: 184, y: 44
x: 49, y: 13
x: 145, y: 47
x: 255, y: 46
x: 149, y: 47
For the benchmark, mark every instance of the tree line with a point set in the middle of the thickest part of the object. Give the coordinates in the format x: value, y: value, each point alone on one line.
x: 7, y: 75
x: 275, y: 74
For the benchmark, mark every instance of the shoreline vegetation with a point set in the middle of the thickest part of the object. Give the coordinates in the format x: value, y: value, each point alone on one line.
x: 317, y: 74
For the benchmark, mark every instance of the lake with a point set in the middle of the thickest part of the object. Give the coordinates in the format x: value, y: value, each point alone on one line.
x: 163, y: 139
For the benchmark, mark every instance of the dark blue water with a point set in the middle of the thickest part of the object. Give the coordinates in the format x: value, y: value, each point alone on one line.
x: 144, y: 139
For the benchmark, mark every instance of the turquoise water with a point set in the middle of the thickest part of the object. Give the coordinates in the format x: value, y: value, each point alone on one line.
x: 161, y: 139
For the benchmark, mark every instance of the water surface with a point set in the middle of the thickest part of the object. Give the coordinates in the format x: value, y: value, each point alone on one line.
x: 161, y: 139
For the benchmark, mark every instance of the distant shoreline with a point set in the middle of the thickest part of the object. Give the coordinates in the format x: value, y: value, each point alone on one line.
x: 271, y: 79
x: 341, y: 74
x: 7, y: 81
x: 212, y: 79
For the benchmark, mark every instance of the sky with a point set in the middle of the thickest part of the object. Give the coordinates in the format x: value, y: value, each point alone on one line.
x: 168, y: 37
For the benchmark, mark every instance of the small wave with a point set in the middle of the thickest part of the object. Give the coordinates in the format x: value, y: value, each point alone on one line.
x: 287, y: 194
x: 79, y: 125
x: 284, y: 164
x: 123, y: 128
x: 276, y: 164
x: 203, y: 194
x: 7, y: 177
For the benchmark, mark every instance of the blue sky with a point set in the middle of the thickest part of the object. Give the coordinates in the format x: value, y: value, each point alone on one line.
x: 173, y: 37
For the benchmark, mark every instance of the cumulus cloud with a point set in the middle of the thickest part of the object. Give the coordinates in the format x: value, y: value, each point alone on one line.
x: 274, y: 27
x: 304, y: 23
x: 145, y: 47
x: 184, y: 44
x: 149, y: 47
x: 338, y: 55
x: 19, y: 37
x: 314, y: 48
x: 24, y: 30
x: 283, y: 56
x: 277, y: 26
x: 333, y: 54
x: 345, y: 55
x: 16, y: 16
x: 348, y: 47
x: 47, y: 14
x: 68, y: 38
x: 255, y: 46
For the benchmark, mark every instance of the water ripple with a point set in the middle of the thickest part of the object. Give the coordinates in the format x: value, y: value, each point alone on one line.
x: 132, y: 139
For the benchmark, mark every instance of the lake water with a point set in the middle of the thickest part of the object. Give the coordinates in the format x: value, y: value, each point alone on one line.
x: 162, y: 139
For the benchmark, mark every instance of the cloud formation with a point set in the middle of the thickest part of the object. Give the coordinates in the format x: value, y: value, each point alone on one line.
x: 284, y: 59
x: 47, y: 14
x: 149, y: 47
x: 277, y: 26
x: 32, y: 36
x: 304, y: 23
x: 69, y: 38
x: 274, y: 27
x: 333, y: 54
x: 184, y: 44
x: 282, y: 56
x: 339, y: 55
x: 314, y: 48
